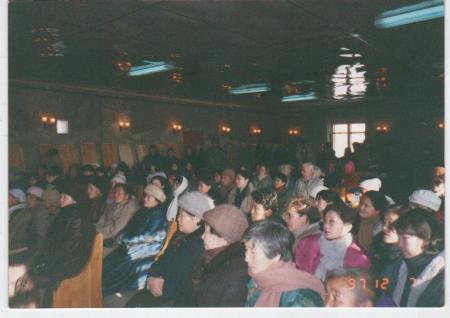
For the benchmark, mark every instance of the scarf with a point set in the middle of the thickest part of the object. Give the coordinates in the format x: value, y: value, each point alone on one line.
x: 421, y: 282
x: 173, y: 207
x: 333, y: 254
x: 366, y: 231
x: 305, y: 229
x: 282, y: 277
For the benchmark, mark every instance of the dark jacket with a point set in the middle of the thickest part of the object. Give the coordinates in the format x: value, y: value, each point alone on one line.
x: 176, y: 264
x: 222, y: 282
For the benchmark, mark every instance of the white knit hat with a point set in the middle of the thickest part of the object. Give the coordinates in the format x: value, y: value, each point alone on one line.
x: 316, y: 190
x: 371, y: 184
x: 35, y: 191
x: 18, y: 194
x: 426, y: 198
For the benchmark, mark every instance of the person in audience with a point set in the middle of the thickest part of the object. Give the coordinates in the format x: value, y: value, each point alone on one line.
x: 325, y: 198
x: 73, y: 173
x: 334, y: 248
x: 96, y: 193
x: 275, y: 282
x: 349, y: 288
x: 240, y: 196
x: 264, y: 206
x: 369, y: 222
x: 350, y: 180
x: 71, y: 194
x: 65, y: 251
x: 16, y: 202
x: 374, y: 184
x: 316, y: 190
x: 206, y: 186
x: 283, y: 194
x: 228, y: 179
x: 170, y: 275
x: 287, y: 169
x: 311, y: 178
x: 333, y: 175
x: 162, y: 183
x: 52, y: 202
x: 53, y: 177
x: 116, y: 179
x: 181, y: 186
x: 384, y: 249
x: 417, y: 279
x: 438, y: 181
x: 302, y: 218
x: 262, y: 179
x: 40, y: 220
x: 141, y: 239
x: 116, y: 216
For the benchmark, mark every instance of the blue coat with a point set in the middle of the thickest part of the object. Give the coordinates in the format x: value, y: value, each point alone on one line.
x: 126, y: 267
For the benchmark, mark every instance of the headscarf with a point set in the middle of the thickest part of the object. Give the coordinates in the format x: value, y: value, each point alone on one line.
x: 173, y: 207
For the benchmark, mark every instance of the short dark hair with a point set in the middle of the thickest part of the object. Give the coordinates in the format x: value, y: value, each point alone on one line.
x: 273, y: 237
x: 378, y: 200
x: 126, y: 187
x: 281, y: 176
x: 347, y: 214
x: 266, y: 198
x: 420, y: 223
x: 244, y: 173
x: 329, y: 196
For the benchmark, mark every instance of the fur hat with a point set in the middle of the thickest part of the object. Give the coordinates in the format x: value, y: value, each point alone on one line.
x: 18, y: 194
x: 195, y: 203
x: 371, y: 184
x: 155, y: 192
x: 37, y: 191
x: 228, y: 221
x: 426, y: 198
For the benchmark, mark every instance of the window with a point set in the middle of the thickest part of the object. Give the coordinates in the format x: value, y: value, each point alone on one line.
x: 62, y: 126
x: 344, y: 135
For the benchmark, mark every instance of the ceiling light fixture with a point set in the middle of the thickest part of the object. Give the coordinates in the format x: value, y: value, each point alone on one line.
x: 250, y: 89
x: 150, y: 67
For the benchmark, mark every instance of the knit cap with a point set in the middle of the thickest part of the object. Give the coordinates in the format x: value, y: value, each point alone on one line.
x: 18, y: 194
x: 228, y: 221
x: 371, y: 184
x: 195, y: 203
x: 426, y: 198
x: 155, y: 192
x: 37, y: 191
x: 316, y: 190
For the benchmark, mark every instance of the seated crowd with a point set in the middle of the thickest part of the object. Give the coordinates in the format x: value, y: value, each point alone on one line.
x: 196, y: 232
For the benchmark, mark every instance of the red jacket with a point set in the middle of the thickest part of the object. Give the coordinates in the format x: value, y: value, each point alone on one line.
x: 307, y: 255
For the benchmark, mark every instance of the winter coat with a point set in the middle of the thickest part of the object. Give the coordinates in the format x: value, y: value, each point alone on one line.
x: 126, y: 267
x: 283, y: 198
x: 18, y: 228
x: 303, y: 232
x: 304, y: 187
x: 307, y: 255
x: 176, y: 264
x: 247, y: 203
x: 428, y: 287
x: 220, y: 283
x: 382, y: 255
x: 96, y: 208
x: 116, y: 217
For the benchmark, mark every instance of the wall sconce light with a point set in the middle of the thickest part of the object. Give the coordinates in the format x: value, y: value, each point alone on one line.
x: 225, y: 130
x: 124, y: 125
x: 382, y: 128
x: 256, y: 131
x: 48, y: 121
x: 441, y: 125
x: 176, y: 128
x: 293, y: 132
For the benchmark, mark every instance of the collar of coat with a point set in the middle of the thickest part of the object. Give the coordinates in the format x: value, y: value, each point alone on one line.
x: 232, y: 252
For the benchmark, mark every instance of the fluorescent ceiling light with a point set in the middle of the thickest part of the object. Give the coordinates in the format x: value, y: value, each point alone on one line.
x: 299, y: 97
x: 250, y: 89
x: 423, y: 11
x: 150, y: 67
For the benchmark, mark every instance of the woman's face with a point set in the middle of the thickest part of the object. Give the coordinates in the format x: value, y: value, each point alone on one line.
x: 256, y: 260
x: 258, y: 212
x: 32, y: 200
x: 278, y: 183
x: 366, y: 209
x: 411, y: 245
x: 262, y: 172
x: 389, y: 234
x: 294, y: 220
x: 212, y: 241
x: 187, y: 223
x: 226, y: 180
x: 157, y: 183
x: 321, y: 204
x: 203, y: 187
x: 241, y: 182
x: 339, y: 293
x: 92, y: 191
x: 120, y: 196
x: 333, y: 226
x: 150, y: 201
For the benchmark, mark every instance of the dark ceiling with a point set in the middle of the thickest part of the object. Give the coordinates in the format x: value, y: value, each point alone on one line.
x: 216, y: 45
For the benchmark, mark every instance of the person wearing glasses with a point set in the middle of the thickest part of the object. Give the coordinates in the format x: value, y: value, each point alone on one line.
x: 333, y: 248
